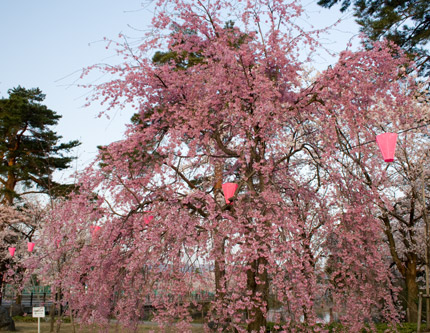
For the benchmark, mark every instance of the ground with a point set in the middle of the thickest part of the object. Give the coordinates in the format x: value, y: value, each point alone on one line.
x: 67, y: 328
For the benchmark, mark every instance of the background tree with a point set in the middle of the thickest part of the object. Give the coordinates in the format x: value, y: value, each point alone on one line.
x: 400, y: 207
x: 30, y: 151
x: 18, y: 227
x: 405, y: 22
x: 10, y: 236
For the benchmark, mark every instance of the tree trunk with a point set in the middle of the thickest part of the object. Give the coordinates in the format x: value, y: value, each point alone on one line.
x: 412, y: 291
x: 52, y: 314
x: 261, y: 288
x: 58, y: 326
x: 220, y: 285
x: 219, y: 277
x: 407, y: 268
x: 10, y: 187
x: 72, y: 320
x: 2, y: 288
x: 218, y: 241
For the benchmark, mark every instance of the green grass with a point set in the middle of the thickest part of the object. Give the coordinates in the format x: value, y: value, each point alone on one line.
x: 402, y: 328
x: 30, y: 319
x: 381, y: 328
x: 25, y: 327
x: 333, y: 328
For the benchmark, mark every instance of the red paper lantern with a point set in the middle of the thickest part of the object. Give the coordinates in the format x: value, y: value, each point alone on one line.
x: 148, y: 219
x: 387, y: 145
x: 229, y: 190
x: 30, y: 246
x: 12, y: 251
x: 94, y: 230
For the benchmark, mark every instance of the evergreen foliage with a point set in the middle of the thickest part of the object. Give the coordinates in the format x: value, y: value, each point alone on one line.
x: 29, y: 150
x: 405, y: 22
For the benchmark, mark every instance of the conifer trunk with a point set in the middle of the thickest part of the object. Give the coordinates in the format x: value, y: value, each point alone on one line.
x: 10, y: 185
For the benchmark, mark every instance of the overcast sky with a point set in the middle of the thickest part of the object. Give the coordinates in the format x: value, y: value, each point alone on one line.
x: 46, y: 43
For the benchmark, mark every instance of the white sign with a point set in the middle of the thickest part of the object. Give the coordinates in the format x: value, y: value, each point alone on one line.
x: 39, y: 312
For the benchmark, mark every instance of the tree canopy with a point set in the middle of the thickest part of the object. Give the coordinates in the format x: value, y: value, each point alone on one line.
x: 302, y: 231
x: 405, y: 22
x: 30, y: 150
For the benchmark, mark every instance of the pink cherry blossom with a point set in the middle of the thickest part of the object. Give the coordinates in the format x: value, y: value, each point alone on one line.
x: 233, y: 105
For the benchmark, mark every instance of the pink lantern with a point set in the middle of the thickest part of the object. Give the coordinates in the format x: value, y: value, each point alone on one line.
x: 30, y: 246
x: 12, y: 251
x: 148, y: 219
x: 387, y: 145
x: 94, y: 230
x: 229, y: 190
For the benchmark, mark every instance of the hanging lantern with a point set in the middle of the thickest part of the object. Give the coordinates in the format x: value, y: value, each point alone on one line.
x: 387, y: 145
x: 94, y: 230
x: 229, y: 190
x: 12, y: 251
x: 148, y: 219
x: 30, y: 246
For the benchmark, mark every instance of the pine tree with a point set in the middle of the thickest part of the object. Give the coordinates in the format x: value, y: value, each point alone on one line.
x: 405, y: 22
x: 30, y: 151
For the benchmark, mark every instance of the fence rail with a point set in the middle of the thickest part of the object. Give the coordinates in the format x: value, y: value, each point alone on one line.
x: 28, y: 300
x: 41, y: 296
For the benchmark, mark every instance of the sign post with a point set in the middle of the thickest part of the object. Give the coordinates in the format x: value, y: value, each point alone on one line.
x: 38, y: 312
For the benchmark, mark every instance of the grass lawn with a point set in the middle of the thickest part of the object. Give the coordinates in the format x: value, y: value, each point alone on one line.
x: 31, y: 327
x: 67, y: 328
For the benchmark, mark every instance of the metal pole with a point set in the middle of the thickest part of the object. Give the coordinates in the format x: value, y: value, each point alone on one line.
x: 38, y: 324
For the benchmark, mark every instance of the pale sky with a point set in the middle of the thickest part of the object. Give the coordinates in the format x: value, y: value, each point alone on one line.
x: 46, y: 43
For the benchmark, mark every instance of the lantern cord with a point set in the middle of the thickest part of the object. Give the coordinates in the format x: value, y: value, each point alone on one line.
x: 364, y: 143
x: 400, y: 132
